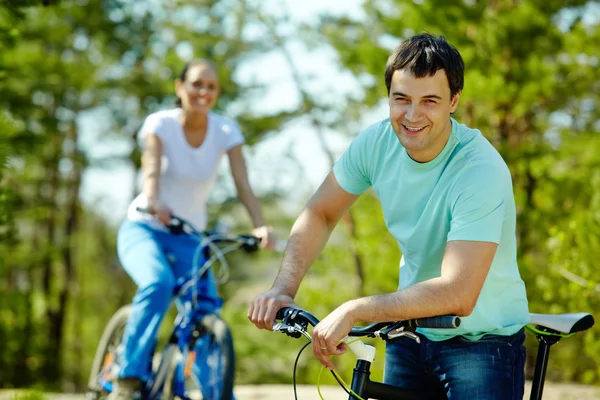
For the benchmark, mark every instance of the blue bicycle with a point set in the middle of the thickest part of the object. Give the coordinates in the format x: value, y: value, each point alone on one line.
x: 177, y: 374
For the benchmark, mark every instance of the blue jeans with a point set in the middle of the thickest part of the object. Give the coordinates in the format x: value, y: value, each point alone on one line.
x: 143, y: 252
x: 491, y: 368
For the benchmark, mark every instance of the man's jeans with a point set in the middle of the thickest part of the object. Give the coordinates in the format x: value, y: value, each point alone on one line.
x: 487, y: 369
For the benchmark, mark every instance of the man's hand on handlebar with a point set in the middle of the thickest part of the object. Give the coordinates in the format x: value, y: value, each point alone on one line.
x: 329, y: 332
x: 263, y: 308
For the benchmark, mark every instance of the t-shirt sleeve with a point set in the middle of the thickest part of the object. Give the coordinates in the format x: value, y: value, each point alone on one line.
x: 153, y: 124
x: 231, y: 135
x: 353, y: 169
x: 479, y: 206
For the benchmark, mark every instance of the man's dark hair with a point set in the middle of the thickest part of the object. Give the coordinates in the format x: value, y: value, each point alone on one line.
x: 423, y: 55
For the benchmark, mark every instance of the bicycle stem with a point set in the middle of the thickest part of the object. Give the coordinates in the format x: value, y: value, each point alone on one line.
x: 362, y: 350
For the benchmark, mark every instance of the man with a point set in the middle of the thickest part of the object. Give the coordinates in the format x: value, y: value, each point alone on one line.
x: 447, y: 198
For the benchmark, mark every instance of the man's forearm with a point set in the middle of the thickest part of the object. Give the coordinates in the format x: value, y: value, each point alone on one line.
x: 426, y: 299
x: 307, y: 238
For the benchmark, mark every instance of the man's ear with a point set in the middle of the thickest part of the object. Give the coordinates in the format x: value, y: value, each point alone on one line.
x: 454, y: 102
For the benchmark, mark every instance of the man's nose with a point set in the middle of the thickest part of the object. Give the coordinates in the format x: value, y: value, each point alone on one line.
x: 412, y: 112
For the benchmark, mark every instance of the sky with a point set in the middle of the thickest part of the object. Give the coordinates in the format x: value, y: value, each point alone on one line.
x: 109, y: 190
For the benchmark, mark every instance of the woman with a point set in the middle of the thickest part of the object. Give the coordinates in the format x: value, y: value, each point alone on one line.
x: 182, y: 149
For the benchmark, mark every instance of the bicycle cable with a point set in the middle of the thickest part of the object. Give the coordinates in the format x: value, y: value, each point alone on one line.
x: 218, y: 255
x: 296, y: 365
x: 338, y: 378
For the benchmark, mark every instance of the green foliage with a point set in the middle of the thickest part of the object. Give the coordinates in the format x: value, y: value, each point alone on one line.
x: 60, y: 280
x: 531, y: 87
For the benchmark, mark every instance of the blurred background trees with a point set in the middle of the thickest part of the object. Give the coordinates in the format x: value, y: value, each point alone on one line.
x: 78, y: 78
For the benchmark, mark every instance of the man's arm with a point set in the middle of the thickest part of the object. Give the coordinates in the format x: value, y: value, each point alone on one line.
x: 464, y: 268
x: 308, y: 236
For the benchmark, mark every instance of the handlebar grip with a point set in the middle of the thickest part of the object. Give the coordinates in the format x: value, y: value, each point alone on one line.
x: 442, y: 322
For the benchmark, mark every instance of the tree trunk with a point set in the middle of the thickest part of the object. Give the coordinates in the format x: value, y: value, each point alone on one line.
x: 52, y: 369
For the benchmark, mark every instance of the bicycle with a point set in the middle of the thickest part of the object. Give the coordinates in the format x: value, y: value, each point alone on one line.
x: 548, y: 328
x: 197, y: 317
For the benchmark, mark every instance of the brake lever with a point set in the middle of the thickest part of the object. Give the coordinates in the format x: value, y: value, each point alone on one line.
x: 294, y: 329
x: 397, y: 331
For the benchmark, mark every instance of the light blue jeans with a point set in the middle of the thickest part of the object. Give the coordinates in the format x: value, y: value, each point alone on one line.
x: 143, y: 252
x: 491, y: 368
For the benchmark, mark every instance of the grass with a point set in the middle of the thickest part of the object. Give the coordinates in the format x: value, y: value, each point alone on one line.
x: 22, y: 394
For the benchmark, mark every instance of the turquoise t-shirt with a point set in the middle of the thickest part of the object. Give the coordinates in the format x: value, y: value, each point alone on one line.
x: 465, y: 193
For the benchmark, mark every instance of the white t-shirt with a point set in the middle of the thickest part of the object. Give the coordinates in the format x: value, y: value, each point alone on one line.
x: 187, y: 173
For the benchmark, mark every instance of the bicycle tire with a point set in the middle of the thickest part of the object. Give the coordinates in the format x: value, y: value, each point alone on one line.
x: 221, y: 346
x: 111, y: 338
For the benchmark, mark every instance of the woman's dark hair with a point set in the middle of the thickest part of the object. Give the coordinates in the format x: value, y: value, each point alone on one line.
x: 190, y: 64
x: 423, y: 55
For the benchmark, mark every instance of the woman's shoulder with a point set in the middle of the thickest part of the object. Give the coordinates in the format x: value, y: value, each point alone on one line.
x: 222, y: 123
x: 160, y: 123
x: 171, y: 114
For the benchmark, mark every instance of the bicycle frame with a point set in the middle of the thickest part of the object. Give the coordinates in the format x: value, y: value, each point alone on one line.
x: 548, y: 329
x: 192, y: 307
x: 183, y: 337
x: 295, y: 322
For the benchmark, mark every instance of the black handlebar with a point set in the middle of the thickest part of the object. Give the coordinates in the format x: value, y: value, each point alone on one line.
x: 440, y: 322
x: 291, y: 316
x: 178, y: 226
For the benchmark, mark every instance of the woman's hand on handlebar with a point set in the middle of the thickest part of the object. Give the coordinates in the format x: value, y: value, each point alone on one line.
x: 263, y: 308
x: 268, y: 238
x: 160, y: 212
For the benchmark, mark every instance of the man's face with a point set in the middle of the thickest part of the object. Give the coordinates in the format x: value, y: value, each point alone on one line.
x: 420, y: 111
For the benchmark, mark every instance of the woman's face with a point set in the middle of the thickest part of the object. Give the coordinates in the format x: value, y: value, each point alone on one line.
x: 200, y: 90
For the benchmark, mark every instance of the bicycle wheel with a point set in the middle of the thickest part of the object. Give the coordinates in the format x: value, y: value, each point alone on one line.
x: 104, y: 366
x: 210, y: 379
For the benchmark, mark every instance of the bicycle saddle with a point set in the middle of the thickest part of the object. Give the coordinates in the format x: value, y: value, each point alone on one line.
x: 563, y: 323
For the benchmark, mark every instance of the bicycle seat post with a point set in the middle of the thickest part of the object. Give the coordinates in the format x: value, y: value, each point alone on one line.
x: 541, y: 364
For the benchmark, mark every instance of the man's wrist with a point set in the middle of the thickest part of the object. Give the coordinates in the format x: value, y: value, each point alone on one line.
x: 283, y: 291
x: 350, y: 310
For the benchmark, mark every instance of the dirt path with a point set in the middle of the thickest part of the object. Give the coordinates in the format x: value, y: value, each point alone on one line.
x: 552, y: 391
